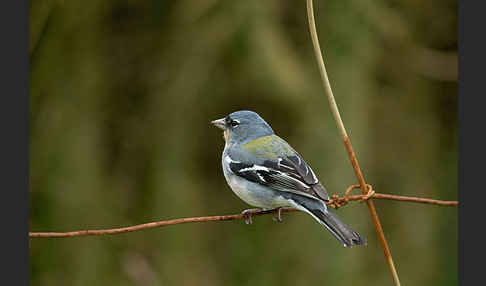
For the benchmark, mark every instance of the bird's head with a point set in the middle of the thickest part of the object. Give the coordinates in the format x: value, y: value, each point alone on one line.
x: 243, y: 126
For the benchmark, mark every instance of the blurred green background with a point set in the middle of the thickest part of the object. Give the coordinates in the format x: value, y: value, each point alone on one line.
x: 121, y: 96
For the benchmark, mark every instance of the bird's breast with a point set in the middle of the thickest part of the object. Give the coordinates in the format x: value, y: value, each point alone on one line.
x: 226, y: 138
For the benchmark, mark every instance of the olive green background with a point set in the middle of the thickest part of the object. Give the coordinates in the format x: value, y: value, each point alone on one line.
x: 121, y: 98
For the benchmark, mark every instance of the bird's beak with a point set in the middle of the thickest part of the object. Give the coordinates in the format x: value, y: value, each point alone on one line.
x: 219, y: 123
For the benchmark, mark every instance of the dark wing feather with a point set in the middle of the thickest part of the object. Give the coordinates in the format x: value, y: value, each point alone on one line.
x: 268, y: 177
x: 282, y: 176
x: 303, y: 170
x: 295, y: 167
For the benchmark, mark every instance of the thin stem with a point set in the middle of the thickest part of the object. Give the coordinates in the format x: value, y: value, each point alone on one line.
x: 335, y: 203
x: 322, y: 69
x: 347, y: 141
x: 416, y: 200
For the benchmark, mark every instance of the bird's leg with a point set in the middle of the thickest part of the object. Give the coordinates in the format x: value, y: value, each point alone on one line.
x: 248, y: 214
x: 278, y: 214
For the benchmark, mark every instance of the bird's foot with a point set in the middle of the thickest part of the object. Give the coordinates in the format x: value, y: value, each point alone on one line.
x: 278, y: 214
x: 248, y: 213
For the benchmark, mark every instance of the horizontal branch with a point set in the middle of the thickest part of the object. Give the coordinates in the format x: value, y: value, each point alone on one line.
x: 416, y: 200
x: 335, y: 202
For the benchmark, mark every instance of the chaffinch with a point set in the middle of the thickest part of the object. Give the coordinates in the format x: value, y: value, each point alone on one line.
x: 266, y: 172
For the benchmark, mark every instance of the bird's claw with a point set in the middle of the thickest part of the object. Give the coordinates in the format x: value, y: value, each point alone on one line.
x: 278, y: 215
x: 247, y: 214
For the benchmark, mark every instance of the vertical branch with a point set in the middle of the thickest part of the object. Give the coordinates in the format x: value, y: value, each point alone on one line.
x: 347, y: 141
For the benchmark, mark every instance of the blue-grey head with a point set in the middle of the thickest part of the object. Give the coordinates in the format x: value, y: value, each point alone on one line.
x: 243, y: 126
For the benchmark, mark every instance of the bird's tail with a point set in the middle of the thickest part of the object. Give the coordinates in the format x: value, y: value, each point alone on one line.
x: 344, y: 233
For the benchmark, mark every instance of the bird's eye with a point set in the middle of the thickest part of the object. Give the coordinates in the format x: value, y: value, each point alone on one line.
x: 234, y: 123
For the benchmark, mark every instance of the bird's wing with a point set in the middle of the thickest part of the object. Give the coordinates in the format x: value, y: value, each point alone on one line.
x: 294, y: 166
x: 276, y: 154
x: 288, y: 172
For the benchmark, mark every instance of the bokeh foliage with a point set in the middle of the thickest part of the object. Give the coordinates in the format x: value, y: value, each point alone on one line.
x: 121, y: 96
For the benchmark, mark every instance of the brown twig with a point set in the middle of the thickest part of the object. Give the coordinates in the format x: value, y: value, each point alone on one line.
x: 372, y: 193
x: 347, y: 141
x: 416, y: 200
x: 335, y: 202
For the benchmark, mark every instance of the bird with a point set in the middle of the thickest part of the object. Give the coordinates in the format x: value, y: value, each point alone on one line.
x: 264, y: 171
